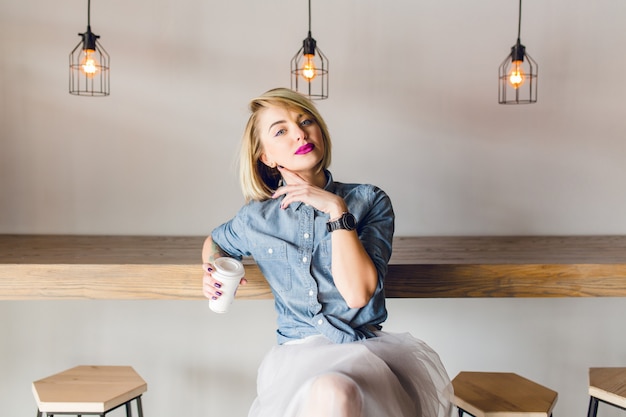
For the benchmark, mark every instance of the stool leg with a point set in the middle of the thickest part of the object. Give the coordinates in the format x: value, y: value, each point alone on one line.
x: 139, y: 407
x: 593, y: 407
x: 38, y: 413
x: 129, y: 411
x: 461, y: 412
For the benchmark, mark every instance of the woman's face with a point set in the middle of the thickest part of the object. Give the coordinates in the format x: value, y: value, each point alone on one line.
x: 290, y: 139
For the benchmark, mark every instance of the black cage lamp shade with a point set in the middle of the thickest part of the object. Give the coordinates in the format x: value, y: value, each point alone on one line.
x: 89, y: 64
x: 309, y: 69
x: 517, y: 75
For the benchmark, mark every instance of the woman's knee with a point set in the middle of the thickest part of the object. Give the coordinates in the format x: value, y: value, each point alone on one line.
x: 338, y: 389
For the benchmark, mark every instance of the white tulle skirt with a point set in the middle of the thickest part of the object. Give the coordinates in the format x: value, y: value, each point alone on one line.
x: 397, y: 375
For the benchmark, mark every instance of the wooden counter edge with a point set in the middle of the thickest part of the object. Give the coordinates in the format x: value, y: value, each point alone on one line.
x: 183, y: 282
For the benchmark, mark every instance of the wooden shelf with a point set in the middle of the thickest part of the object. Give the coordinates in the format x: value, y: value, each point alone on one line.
x: 168, y: 267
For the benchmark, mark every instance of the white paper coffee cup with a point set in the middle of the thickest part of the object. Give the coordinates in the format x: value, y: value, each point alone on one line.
x: 228, y: 271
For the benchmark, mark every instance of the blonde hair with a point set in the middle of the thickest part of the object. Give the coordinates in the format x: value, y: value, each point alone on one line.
x: 258, y: 181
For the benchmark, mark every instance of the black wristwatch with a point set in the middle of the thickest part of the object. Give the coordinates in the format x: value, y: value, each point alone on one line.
x: 346, y: 221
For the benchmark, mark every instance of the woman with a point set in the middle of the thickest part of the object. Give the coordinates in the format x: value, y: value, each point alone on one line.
x: 323, y: 247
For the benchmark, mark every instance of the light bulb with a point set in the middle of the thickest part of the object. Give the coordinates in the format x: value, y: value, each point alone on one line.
x: 89, y: 65
x: 517, y: 75
x: 309, y: 72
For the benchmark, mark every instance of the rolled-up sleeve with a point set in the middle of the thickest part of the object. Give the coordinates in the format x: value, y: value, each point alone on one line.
x: 231, y: 236
x: 376, y: 234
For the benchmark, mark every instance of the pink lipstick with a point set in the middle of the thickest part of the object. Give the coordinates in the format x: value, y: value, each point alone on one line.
x: 304, y: 149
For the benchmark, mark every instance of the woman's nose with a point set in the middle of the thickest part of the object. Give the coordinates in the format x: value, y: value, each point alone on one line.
x: 300, y: 134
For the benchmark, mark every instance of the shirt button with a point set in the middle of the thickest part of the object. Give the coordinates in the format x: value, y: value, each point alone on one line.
x: 270, y: 251
x: 310, y: 293
x: 306, y: 235
x: 305, y: 259
x: 320, y: 322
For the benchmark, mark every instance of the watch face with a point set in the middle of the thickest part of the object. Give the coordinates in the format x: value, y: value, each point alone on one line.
x: 349, y: 221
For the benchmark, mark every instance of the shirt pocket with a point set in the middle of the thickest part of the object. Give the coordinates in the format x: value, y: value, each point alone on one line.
x: 324, y: 254
x: 273, y: 262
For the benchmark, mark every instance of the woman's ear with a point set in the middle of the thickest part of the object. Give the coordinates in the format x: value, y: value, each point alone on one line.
x: 267, y: 162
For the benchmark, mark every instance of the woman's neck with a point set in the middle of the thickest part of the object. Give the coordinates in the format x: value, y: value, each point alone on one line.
x: 317, y: 179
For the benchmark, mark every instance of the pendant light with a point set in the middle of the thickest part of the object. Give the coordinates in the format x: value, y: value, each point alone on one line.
x: 518, y: 74
x: 89, y: 64
x: 309, y: 69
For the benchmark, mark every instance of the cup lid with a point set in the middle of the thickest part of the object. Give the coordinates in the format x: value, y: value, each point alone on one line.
x: 229, y: 266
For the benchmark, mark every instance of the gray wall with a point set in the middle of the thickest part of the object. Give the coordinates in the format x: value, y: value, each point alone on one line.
x: 419, y: 118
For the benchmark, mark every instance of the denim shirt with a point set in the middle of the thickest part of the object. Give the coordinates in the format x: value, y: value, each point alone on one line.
x: 292, y: 248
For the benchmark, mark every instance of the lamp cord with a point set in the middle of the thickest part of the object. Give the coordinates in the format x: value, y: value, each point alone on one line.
x: 310, y: 16
x: 519, y: 24
x: 89, y: 13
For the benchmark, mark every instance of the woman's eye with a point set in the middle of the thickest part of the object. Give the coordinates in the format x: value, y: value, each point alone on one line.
x: 280, y: 132
x: 306, y: 122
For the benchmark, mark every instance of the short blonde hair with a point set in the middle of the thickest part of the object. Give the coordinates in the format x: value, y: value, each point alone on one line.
x: 258, y: 181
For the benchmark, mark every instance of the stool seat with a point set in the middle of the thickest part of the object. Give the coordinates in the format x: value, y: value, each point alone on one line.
x: 607, y: 385
x: 501, y: 394
x: 88, y: 389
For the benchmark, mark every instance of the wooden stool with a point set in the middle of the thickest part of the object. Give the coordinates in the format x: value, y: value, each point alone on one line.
x: 487, y: 394
x: 607, y: 385
x: 89, y: 390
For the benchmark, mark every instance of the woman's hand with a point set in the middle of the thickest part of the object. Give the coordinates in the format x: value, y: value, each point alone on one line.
x: 210, y: 286
x: 299, y: 190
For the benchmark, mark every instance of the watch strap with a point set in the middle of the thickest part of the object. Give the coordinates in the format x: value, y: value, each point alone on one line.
x: 346, y: 221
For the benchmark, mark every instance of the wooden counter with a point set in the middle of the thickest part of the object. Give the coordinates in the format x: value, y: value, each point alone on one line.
x: 168, y: 267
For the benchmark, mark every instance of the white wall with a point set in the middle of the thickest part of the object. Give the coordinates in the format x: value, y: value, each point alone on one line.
x: 419, y: 118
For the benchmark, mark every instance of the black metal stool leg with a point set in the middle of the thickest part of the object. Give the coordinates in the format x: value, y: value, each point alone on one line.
x: 139, y: 407
x: 593, y: 407
x: 461, y: 412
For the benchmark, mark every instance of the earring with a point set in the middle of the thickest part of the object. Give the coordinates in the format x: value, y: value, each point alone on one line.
x: 273, y: 165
